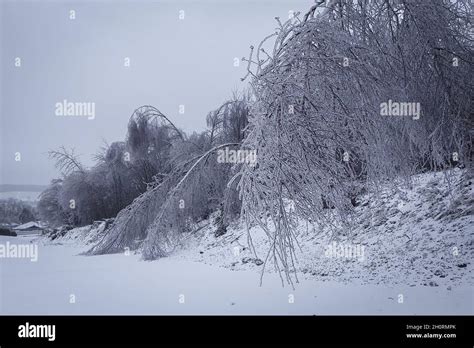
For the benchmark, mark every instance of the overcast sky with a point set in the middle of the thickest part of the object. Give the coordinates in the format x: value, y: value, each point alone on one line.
x: 173, y: 62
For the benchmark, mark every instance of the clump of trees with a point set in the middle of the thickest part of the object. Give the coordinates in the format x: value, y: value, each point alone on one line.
x: 15, y: 211
x: 191, y: 186
x: 158, y: 183
x: 123, y: 170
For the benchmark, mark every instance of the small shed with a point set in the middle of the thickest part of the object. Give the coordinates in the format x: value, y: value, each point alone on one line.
x: 32, y: 227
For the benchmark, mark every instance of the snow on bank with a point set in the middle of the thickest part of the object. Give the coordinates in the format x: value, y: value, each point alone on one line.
x: 414, y: 236
x: 409, y: 266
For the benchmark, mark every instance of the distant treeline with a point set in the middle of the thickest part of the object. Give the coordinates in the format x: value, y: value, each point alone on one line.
x: 13, y: 210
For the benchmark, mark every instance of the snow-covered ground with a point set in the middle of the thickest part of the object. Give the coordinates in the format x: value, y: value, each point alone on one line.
x: 122, y: 284
x: 418, y: 251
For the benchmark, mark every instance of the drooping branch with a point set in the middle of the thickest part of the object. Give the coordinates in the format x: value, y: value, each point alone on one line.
x: 66, y: 161
x: 152, y: 113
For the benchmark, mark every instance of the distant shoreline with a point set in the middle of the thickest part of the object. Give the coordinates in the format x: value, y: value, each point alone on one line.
x: 22, y: 188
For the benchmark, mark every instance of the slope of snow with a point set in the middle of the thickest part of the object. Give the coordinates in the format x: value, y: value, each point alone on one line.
x: 81, y: 236
x: 414, y: 236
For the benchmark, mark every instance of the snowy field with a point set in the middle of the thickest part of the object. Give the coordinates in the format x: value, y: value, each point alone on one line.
x: 121, y: 284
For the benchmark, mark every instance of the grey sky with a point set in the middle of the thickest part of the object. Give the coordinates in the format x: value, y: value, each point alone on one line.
x: 173, y: 62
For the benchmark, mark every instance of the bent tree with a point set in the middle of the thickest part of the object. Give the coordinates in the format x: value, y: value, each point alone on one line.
x: 316, y: 122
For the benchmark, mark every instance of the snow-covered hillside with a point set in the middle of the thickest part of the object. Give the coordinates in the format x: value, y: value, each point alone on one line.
x: 415, y: 236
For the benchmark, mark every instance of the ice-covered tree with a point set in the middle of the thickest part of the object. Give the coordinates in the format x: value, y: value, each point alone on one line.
x: 317, y: 123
